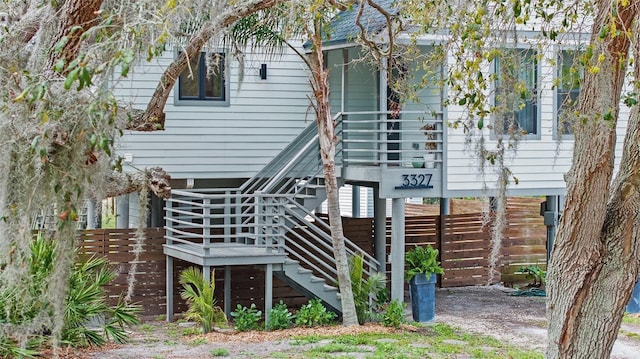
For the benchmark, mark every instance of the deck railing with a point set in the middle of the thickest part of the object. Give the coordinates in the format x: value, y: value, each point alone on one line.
x: 378, y: 138
x: 282, y: 224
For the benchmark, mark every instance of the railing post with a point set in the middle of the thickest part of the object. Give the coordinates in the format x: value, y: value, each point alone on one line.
x: 168, y: 223
x: 169, y: 260
x: 382, y: 117
x: 281, y: 225
x: 343, y: 122
x: 238, y: 215
x: 206, y: 224
x: 257, y: 217
x: 227, y: 217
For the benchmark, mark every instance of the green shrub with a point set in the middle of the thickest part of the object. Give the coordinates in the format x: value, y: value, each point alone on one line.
x: 314, y: 313
x: 199, y: 296
x: 85, y: 304
x: 246, y: 318
x: 365, y: 290
x: 536, y: 273
x: 394, y: 314
x: 280, y: 317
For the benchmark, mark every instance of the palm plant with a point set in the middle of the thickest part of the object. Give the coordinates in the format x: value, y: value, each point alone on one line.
x: 365, y: 290
x: 86, y: 304
x: 88, y: 320
x: 199, y: 296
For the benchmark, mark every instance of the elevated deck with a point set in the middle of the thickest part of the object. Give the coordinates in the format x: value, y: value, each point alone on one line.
x: 223, y: 254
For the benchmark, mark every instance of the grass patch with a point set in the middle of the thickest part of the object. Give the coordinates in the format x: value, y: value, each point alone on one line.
x: 304, y: 340
x: 187, y: 332
x: 631, y: 318
x: 146, y: 328
x: 629, y: 334
x: 219, y: 352
x: 334, y: 348
x: 428, y: 341
x: 198, y: 341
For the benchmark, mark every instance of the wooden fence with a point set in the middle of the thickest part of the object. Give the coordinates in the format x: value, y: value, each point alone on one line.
x: 150, y: 275
x: 463, y: 240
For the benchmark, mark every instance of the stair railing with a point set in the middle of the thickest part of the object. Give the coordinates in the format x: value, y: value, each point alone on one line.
x: 310, y: 239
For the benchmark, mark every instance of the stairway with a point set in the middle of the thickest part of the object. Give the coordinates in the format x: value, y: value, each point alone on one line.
x: 272, y: 210
x: 304, y: 281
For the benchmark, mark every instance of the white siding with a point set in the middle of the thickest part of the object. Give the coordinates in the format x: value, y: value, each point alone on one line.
x: 221, y: 142
x: 538, y: 164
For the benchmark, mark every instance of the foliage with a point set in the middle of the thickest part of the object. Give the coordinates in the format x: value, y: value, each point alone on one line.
x: 433, y: 341
x: 314, y: 313
x: 280, y: 317
x: 200, y: 300
x: 394, y: 314
x: 246, y: 318
x: 537, y: 274
x: 88, y: 320
x: 219, y: 352
x: 365, y: 290
x: 421, y: 260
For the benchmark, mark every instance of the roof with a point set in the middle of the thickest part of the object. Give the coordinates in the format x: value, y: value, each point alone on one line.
x: 343, y: 28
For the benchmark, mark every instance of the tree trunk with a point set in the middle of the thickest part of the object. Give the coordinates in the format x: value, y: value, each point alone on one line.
x: 327, y: 139
x: 78, y: 16
x: 595, y: 260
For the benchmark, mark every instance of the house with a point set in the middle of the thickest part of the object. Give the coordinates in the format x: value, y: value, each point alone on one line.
x: 241, y: 146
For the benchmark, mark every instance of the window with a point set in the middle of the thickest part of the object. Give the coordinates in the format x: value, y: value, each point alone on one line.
x: 568, y: 89
x: 204, y: 83
x: 516, y: 92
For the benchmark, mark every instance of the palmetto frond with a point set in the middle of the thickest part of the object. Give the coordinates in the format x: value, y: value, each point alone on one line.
x: 199, y: 296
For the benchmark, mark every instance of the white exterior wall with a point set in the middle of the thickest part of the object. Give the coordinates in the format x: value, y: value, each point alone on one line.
x: 539, y: 164
x: 221, y: 142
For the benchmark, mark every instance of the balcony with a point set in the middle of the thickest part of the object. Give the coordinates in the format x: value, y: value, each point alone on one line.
x: 403, y: 151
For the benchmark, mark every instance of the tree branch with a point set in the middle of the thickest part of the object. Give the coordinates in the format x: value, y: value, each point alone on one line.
x: 155, y: 179
x: 153, y: 118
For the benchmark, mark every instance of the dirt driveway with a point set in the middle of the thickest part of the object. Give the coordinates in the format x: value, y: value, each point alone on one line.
x: 479, y: 310
x: 517, y: 320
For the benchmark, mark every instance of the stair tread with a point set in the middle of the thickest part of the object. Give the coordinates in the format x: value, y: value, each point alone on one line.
x: 330, y: 288
x: 303, y: 195
x: 302, y: 270
x: 315, y: 279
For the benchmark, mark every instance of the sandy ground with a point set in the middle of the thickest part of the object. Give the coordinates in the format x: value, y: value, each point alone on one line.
x: 480, y: 310
x: 517, y: 320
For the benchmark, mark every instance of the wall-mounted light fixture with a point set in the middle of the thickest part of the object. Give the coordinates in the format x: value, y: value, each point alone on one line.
x: 263, y: 71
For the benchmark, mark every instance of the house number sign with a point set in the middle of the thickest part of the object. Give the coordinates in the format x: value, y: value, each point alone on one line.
x: 405, y: 182
x: 415, y: 181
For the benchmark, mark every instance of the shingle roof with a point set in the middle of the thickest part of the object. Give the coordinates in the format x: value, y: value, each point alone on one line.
x: 343, y: 28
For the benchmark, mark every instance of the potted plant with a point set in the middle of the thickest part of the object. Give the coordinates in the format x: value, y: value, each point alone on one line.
x: 421, y: 267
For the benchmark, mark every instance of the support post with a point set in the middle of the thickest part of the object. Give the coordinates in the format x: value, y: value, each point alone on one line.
x: 91, y: 213
x: 268, y: 291
x: 397, y: 250
x: 227, y: 291
x: 169, y: 289
x: 551, y: 221
x: 206, y: 274
x: 380, y: 229
x: 122, y: 211
x: 169, y: 259
x: 355, y: 201
x: 445, y: 208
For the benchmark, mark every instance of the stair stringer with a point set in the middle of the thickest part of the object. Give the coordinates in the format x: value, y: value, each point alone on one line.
x: 303, y: 280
